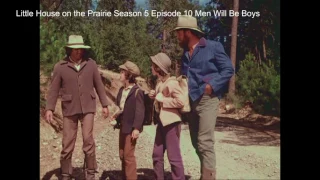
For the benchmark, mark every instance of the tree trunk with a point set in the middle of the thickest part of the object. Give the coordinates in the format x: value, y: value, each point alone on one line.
x: 163, y: 49
x: 264, y: 48
x: 233, y: 51
x: 257, y: 54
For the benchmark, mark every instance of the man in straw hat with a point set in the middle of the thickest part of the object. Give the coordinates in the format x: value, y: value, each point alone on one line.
x: 208, y: 69
x: 75, y: 78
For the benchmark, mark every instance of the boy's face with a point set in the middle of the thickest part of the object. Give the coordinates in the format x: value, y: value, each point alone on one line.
x: 122, y: 75
x: 152, y: 70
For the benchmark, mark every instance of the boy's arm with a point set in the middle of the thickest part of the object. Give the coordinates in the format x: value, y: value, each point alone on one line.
x: 176, y: 99
x: 139, y: 113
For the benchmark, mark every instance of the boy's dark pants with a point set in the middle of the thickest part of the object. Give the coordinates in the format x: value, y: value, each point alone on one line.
x: 126, y: 154
x: 202, y: 121
x: 168, y: 138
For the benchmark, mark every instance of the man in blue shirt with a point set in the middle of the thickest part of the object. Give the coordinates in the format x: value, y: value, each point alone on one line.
x: 209, y: 70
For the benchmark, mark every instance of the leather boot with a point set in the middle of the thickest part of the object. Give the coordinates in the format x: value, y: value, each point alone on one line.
x: 207, y: 174
x: 66, y: 169
x: 91, y: 166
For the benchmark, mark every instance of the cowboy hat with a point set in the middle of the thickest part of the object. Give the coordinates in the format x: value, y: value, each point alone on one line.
x: 76, y: 41
x: 187, y: 22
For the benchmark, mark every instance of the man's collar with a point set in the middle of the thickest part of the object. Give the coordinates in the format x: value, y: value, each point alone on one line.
x: 202, y: 42
x: 195, y: 45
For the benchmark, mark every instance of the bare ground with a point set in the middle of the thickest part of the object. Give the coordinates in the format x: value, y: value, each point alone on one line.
x: 243, y: 150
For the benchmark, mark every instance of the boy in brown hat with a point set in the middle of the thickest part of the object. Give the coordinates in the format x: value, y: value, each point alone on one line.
x: 130, y: 100
x: 168, y: 100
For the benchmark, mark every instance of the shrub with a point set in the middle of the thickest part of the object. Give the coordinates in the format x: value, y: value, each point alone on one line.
x: 259, y: 84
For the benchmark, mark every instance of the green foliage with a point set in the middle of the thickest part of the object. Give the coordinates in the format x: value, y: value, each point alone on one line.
x: 236, y: 100
x: 51, y: 44
x: 253, y: 33
x: 116, y: 39
x: 113, y: 40
x: 259, y: 85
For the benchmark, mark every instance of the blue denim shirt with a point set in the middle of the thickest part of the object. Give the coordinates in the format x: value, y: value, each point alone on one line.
x: 209, y: 64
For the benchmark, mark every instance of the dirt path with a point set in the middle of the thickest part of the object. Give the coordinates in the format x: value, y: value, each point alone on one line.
x: 242, y: 152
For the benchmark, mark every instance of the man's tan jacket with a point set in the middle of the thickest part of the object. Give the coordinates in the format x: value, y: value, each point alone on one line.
x: 76, y: 88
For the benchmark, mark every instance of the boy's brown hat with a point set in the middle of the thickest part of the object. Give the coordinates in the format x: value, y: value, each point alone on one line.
x: 131, y: 67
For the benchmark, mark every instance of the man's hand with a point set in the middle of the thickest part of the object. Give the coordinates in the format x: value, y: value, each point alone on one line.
x: 48, y: 116
x: 159, y: 97
x: 208, y: 89
x: 152, y: 94
x: 135, y: 134
x: 105, y: 112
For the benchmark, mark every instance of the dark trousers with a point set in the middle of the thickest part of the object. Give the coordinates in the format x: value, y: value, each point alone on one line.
x: 202, y: 121
x: 168, y: 138
x: 126, y: 153
x: 70, y: 128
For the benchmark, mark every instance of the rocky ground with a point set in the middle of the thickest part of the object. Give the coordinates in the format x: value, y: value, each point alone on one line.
x: 244, y: 151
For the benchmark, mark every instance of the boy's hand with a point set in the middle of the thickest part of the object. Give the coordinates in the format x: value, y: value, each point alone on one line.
x: 152, y: 94
x: 135, y: 134
x: 113, y: 122
x: 113, y: 117
x: 159, y: 97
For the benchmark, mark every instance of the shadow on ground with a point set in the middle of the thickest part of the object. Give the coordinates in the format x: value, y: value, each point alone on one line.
x: 77, y: 174
x: 53, y: 174
x: 143, y: 174
x: 250, y: 132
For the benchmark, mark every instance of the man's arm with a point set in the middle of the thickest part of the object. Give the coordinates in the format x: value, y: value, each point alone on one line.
x: 224, y: 66
x: 98, y: 85
x: 54, y: 88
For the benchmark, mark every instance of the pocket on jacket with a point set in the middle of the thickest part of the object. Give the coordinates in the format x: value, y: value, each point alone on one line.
x: 66, y: 97
x: 93, y: 95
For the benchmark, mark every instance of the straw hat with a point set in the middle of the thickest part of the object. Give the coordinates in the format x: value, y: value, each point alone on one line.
x: 76, y: 41
x: 131, y: 67
x: 187, y: 22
